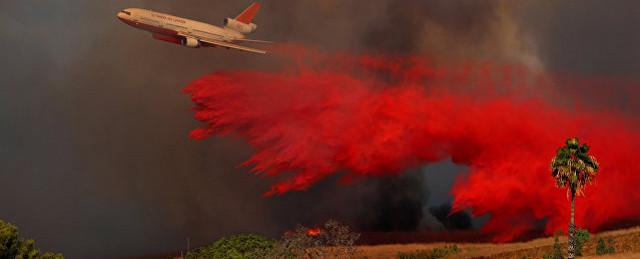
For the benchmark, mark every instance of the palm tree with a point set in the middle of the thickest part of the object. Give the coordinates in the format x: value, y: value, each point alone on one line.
x: 573, y: 168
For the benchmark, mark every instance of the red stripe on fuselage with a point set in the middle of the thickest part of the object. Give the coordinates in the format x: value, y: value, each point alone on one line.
x: 168, y: 38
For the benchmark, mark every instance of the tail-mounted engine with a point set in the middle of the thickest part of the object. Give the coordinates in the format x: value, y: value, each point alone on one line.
x: 239, y: 26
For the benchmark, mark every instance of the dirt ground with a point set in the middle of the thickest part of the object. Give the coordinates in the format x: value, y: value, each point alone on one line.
x: 626, y: 242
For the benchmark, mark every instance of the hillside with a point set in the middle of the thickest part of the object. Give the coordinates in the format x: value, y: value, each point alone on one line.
x: 626, y: 242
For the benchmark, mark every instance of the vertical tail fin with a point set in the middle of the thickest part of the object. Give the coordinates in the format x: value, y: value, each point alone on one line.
x: 248, y: 14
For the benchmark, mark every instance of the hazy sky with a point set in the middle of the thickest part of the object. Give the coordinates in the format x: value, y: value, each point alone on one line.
x: 95, y: 161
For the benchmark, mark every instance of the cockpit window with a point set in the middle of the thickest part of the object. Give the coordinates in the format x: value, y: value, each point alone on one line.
x: 127, y: 12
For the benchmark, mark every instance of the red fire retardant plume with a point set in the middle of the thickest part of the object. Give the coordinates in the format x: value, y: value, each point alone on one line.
x: 375, y: 116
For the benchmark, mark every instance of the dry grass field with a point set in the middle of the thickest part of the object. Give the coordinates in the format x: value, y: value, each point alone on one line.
x: 626, y: 242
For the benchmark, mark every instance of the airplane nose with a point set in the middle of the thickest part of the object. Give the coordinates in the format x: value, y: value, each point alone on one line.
x: 124, y: 14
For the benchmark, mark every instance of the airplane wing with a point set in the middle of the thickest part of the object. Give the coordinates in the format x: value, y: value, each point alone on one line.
x: 251, y: 40
x: 231, y: 45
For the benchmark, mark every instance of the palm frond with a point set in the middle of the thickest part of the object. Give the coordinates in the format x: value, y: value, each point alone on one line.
x: 573, y: 167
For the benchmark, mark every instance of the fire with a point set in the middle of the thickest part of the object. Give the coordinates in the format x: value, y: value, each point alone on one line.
x: 313, y: 231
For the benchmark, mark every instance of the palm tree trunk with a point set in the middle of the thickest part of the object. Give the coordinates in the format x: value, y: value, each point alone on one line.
x: 572, y: 229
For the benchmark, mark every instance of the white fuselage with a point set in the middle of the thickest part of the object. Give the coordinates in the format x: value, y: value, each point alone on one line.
x: 176, y: 29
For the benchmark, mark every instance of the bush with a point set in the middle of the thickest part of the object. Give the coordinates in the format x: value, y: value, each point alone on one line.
x: 11, y: 246
x: 602, y: 248
x: 438, y: 252
x: 333, y: 240
x: 582, y: 235
x: 236, y: 247
x: 556, y: 253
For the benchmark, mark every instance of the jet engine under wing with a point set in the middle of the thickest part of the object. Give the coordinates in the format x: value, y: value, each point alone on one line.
x: 231, y: 45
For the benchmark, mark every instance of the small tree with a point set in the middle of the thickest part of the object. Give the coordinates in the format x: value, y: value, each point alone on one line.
x: 248, y: 246
x: 9, y: 242
x: 332, y: 240
x: 602, y: 248
x: 611, y: 249
x: 573, y: 168
x: 11, y: 246
x: 556, y: 253
x: 582, y: 235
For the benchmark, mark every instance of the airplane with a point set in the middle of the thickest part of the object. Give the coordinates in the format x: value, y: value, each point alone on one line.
x: 195, y: 34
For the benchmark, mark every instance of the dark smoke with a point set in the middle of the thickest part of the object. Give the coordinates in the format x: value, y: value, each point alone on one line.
x: 397, y: 204
x: 454, y: 220
x: 94, y: 156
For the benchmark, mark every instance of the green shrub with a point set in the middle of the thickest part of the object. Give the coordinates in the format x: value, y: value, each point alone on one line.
x: 8, y: 240
x: 611, y: 249
x: 582, y: 235
x: 236, y: 247
x: 602, y: 248
x: 556, y: 253
x: 438, y: 252
x: 11, y: 246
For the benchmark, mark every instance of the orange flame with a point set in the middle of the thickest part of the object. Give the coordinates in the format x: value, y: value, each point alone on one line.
x: 313, y: 231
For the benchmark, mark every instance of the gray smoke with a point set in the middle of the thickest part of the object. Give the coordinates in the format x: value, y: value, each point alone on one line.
x: 94, y: 156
